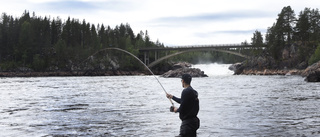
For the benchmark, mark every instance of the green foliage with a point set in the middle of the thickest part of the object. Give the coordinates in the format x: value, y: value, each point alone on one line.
x: 315, y: 57
x: 257, y: 42
x: 38, y: 63
x: 281, y: 32
x: 8, y: 66
x: 303, y: 32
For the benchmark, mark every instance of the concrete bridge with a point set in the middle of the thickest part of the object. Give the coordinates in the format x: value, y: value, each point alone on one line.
x: 226, y: 48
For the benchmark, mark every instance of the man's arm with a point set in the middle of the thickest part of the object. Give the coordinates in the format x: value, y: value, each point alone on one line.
x: 178, y: 100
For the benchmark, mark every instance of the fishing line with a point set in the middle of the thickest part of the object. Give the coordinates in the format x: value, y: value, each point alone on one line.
x: 138, y: 60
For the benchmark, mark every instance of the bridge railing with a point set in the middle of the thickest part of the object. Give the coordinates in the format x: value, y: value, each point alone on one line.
x: 206, y: 45
x: 185, y: 47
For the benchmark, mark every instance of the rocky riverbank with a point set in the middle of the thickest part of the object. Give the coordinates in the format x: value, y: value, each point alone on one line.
x: 170, y: 70
x: 271, y: 72
x: 311, y: 74
x: 289, y: 62
x: 61, y: 73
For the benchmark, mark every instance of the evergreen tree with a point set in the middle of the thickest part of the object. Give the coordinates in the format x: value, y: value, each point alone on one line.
x: 315, y: 25
x: 24, y: 50
x: 315, y: 57
x: 285, y: 23
x: 257, y: 42
x: 281, y: 32
x: 66, y: 32
x: 103, y: 36
x: 56, y: 27
x: 257, y: 39
x: 94, y: 38
x: 86, y: 35
x: 303, y: 25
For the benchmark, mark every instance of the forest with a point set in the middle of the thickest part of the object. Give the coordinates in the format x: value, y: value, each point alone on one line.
x: 44, y: 44
x: 51, y: 44
x: 299, y: 34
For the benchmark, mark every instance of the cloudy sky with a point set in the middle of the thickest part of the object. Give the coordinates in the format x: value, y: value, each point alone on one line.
x: 172, y: 22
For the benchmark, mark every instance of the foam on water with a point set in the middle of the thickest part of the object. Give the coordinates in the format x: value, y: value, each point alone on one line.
x: 214, y: 69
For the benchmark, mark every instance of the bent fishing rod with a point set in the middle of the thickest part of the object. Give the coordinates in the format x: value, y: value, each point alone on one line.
x: 138, y: 60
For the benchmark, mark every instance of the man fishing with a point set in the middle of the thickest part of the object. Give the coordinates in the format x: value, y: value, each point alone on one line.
x: 189, y: 108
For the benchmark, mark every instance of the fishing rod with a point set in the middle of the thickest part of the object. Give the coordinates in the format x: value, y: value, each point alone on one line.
x: 138, y: 60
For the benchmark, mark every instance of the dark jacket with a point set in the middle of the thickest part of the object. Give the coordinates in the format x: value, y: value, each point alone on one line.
x: 189, y: 103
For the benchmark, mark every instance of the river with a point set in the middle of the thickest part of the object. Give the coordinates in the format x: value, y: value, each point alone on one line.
x: 136, y: 105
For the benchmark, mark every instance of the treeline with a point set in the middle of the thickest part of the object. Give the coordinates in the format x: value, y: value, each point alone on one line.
x: 293, y: 37
x: 45, y: 44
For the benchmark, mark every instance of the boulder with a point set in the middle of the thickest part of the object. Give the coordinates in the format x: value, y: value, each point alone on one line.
x: 181, y: 65
x: 312, y: 73
x: 237, y: 68
x: 314, y: 76
x: 177, y: 73
x: 183, y: 68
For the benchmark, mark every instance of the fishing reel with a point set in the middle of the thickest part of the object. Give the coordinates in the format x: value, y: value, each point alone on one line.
x: 172, y: 109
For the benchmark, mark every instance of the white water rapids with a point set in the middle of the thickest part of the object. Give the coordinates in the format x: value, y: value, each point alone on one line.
x: 214, y: 69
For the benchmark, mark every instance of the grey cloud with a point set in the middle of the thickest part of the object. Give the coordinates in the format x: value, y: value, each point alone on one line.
x: 77, y: 7
x: 207, y: 34
x: 223, y: 16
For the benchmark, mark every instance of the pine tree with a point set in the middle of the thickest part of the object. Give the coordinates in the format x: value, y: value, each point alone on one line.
x: 66, y: 32
x: 285, y: 23
x: 315, y: 57
x: 315, y: 25
x: 56, y: 26
x: 257, y: 42
x: 25, y: 43
x: 303, y: 26
x: 94, y: 38
x: 281, y: 32
x: 257, y: 39
x: 103, y: 36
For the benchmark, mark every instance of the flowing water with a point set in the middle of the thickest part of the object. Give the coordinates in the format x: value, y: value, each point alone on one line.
x: 137, y: 106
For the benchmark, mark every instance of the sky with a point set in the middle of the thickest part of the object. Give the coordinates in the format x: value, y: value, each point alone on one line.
x: 171, y: 22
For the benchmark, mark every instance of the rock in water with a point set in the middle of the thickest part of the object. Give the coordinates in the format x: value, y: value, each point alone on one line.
x: 183, y: 68
x: 313, y: 77
x: 312, y: 73
x: 181, y: 65
x: 194, y: 72
x: 237, y: 68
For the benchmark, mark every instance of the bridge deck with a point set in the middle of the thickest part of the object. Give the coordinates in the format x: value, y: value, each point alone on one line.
x: 222, y: 46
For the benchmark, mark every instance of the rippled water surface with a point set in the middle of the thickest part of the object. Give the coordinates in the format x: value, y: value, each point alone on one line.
x: 137, y: 106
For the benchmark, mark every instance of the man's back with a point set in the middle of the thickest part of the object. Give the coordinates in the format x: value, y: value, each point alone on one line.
x: 189, y: 105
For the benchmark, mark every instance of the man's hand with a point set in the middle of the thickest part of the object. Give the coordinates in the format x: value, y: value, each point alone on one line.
x: 169, y: 96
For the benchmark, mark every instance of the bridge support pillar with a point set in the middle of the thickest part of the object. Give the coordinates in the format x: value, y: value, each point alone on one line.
x: 155, y: 55
x: 146, y: 58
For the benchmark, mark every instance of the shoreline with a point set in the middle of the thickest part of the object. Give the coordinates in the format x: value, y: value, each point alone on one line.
x: 67, y: 74
x: 272, y: 72
x: 134, y: 73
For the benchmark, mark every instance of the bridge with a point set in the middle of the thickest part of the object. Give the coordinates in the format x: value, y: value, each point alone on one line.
x: 226, y: 48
